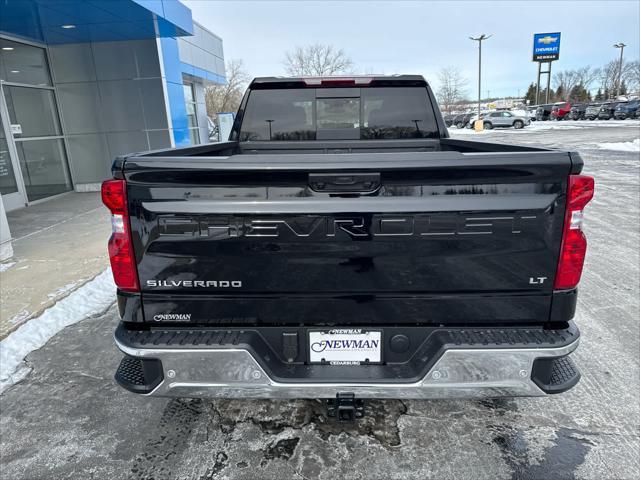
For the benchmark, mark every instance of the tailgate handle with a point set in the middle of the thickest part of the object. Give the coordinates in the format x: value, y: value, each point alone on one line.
x: 344, y: 182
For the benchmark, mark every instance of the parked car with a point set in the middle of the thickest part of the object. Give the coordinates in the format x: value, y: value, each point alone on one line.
x: 255, y: 288
x: 626, y: 110
x: 578, y: 111
x: 462, y: 120
x: 543, y: 112
x: 592, y: 110
x: 448, y: 119
x: 607, y: 110
x: 560, y: 110
x: 504, y: 119
x: 531, y: 112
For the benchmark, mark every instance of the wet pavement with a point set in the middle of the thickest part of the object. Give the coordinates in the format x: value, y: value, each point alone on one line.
x: 68, y: 420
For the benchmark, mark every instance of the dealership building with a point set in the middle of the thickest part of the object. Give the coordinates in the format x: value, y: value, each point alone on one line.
x: 82, y: 81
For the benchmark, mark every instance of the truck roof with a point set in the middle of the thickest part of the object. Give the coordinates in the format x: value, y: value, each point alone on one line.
x: 338, y: 81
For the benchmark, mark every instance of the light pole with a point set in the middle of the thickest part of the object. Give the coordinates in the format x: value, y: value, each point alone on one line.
x: 479, y: 40
x: 621, y: 46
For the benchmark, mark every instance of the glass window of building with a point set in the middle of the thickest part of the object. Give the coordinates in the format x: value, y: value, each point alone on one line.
x: 8, y: 182
x: 20, y: 63
x: 192, y: 112
x: 28, y: 102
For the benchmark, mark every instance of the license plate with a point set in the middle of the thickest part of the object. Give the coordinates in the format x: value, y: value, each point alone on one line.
x: 345, y: 346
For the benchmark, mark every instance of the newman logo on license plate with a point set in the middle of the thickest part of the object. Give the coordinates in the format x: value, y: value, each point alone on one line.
x: 345, y: 346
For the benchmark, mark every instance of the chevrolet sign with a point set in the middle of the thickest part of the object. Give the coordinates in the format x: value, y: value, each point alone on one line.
x: 548, y: 39
x: 546, y: 47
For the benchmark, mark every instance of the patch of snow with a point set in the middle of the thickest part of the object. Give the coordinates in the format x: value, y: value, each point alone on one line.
x: 91, y: 299
x: 633, y: 146
x: 62, y: 290
x: 6, y: 266
x: 20, y: 317
x: 573, y: 124
x: 466, y: 131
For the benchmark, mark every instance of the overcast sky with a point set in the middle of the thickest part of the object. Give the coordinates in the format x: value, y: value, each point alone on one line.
x: 422, y: 37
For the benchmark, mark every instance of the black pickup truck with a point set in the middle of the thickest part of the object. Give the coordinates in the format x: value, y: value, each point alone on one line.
x: 341, y: 244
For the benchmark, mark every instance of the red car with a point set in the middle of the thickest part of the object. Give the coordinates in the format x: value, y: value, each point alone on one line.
x: 560, y: 110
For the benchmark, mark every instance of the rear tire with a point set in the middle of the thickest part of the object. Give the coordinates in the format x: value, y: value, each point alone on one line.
x: 459, y: 125
x: 487, y: 126
x: 518, y: 124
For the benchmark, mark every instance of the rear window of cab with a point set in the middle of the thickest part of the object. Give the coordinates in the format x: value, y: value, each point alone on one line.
x: 338, y: 114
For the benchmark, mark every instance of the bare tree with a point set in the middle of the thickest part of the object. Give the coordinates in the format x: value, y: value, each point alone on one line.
x: 564, y: 81
x: 452, y: 87
x: 631, y: 76
x: 318, y: 60
x: 227, y: 97
x: 587, y: 75
x: 608, y: 76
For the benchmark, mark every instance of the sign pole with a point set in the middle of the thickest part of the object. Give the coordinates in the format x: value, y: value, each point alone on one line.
x: 548, y: 81
x: 478, y: 122
x: 538, y: 84
x: 479, y: 73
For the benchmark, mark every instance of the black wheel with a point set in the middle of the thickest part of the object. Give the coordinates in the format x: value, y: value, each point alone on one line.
x: 460, y: 125
x: 487, y: 126
x: 518, y: 124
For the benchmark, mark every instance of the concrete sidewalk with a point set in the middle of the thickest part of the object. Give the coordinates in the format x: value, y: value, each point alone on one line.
x: 58, y: 246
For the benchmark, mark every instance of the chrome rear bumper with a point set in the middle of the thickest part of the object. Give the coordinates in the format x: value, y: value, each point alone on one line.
x: 459, y: 373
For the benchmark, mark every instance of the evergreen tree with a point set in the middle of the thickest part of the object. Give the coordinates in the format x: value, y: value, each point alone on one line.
x: 579, y: 94
x: 543, y: 95
x: 531, y: 94
x: 559, y: 96
x: 599, y: 95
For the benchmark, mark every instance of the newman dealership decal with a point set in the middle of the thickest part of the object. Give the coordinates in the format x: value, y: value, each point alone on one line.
x: 345, y: 346
x: 546, y: 47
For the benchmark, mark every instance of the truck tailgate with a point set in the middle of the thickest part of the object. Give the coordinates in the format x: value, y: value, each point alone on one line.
x: 365, y: 238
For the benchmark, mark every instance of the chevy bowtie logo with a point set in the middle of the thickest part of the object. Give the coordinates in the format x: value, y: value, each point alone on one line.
x: 547, y: 40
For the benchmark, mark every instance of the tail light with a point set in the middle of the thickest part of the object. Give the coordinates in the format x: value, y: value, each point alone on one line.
x: 123, y: 264
x: 574, y: 243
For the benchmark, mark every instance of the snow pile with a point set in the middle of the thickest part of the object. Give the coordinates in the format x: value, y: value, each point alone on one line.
x: 465, y: 131
x: 6, y: 266
x: 621, y: 146
x: 91, y: 299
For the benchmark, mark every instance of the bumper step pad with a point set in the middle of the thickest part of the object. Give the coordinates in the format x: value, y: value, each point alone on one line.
x: 555, y: 375
x: 138, y: 375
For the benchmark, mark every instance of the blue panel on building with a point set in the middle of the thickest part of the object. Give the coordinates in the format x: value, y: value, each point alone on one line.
x: 181, y: 137
x: 178, y: 14
x: 74, y: 21
x: 171, y: 57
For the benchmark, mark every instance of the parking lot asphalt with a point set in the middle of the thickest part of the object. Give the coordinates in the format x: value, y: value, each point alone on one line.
x: 68, y: 420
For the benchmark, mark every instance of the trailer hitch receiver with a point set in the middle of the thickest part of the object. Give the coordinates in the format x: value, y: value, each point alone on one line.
x: 345, y: 407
